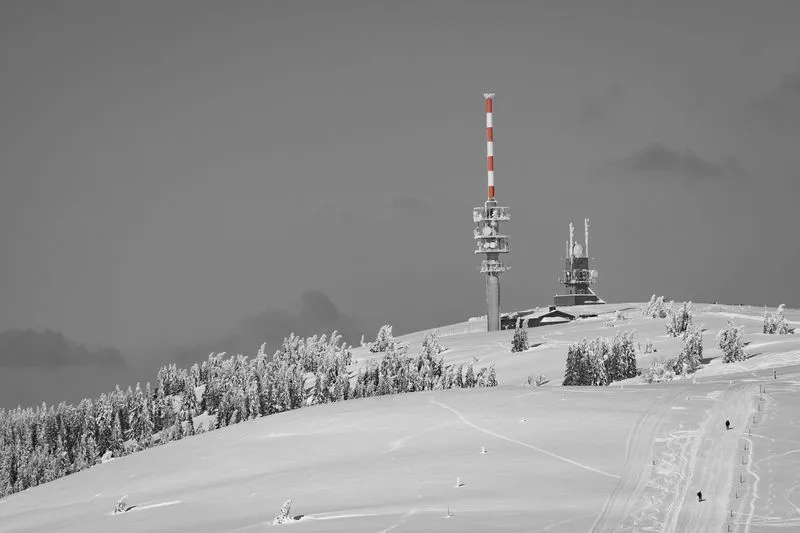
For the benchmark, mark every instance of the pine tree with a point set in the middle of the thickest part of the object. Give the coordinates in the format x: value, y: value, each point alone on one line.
x: 177, y: 429
x: 491, y: 377
x: 598, y: 350
x: 469, y: 377
x: 141, y: 426
x: 679, y: 321
x: 91, y: 451
x: 383, y: 340
x: 116, y: 441
x: 520, y: 341
x: 189, y: 430
x: 731, y: 343
x: 688, y: 361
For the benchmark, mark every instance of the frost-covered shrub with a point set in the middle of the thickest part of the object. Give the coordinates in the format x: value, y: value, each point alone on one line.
x: 122, y: 505
x: 659, y: 370
x: 283, y: 515
x: 383, y: 340
x: 648, y: 347
x: 520, y: 341
x: 731, y: 343
x: 688, y: 361
x: 539, y: 380
x: 678, y: 321
x: 775, y: 323
x: 655, y: 308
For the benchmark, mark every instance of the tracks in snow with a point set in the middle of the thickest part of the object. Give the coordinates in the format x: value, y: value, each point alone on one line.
x: 526, y: 445
x: 637, y: 469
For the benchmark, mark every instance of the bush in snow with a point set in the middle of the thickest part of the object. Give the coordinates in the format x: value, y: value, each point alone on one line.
x: 659, y: 370
x: 520, y: 341
x: 678, y: 321
x: 655, y: 308
x: 648, y: 347
x: 775, y: 323
x: 283, y: 515
x: 539, y: 380
x: 383, y: 340
x: 731, y: 343
x: 122, y: 505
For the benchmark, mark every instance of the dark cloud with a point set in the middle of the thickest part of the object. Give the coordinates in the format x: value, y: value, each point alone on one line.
x: 595, y: 108
x: 313, y: 314
x: 780, y: 108
x: 659, y: 160
x: 51, y: 349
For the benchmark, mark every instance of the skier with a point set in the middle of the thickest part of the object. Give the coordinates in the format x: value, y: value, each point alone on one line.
x: 700, y: 496
x: 727, y: 424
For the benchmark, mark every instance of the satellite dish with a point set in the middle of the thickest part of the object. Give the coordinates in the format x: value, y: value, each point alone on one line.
x: 578, y: 250
x: 593, y: 273
x: 487, y: 231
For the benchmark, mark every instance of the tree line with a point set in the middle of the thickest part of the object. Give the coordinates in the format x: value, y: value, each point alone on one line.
x: 47, y: 442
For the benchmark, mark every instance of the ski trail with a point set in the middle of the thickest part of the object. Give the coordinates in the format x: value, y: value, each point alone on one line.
x: 399, y: 443
x: 636, y: 469
x: 509, y: 439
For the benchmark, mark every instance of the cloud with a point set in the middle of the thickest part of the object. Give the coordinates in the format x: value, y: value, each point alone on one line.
x: 314, y: 313
x: 779, y: 109
x: 658, y: 160
x: 596, y: 108
x: 51, y: 349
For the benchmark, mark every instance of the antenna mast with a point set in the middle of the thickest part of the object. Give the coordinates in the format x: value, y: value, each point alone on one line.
x: 490, y: 241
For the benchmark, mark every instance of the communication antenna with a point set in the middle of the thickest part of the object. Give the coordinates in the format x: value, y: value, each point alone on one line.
x: 490, y: 240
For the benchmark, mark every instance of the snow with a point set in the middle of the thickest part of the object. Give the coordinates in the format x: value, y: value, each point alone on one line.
x: 562, y: 459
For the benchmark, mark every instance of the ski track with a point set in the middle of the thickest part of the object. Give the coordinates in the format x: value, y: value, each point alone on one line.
x: 526, y: 445
x: 750, y: 518
x: 636, y: 471
x: 400, y: 443
x: 561, y: 523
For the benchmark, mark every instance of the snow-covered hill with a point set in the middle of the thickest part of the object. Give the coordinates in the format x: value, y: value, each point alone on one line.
x: 628, y: 457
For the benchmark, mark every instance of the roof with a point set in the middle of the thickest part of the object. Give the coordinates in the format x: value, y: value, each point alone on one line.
x: 529, y: 314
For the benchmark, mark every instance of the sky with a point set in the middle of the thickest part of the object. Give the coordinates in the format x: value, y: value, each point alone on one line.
x: 178, y: 177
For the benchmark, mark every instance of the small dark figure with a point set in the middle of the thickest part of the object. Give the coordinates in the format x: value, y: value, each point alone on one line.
x: 727, y: 424
x: 700, y: 496
x: 774, y: 374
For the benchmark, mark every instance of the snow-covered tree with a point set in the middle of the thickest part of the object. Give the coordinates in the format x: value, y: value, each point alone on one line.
x: 688, y: 361
x: 678, y: 321
x: 731, y: 343
x: 520, y: 341
x: 383, y: 340
x: 655, y: 308
x: 141, y: 426
x: 775, y: 323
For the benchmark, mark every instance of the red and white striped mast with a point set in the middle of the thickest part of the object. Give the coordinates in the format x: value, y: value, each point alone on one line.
x: 489, y: 144
x: 490, y: 241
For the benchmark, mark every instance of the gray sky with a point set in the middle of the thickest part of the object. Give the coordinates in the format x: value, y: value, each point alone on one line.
x: 171, y: 170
